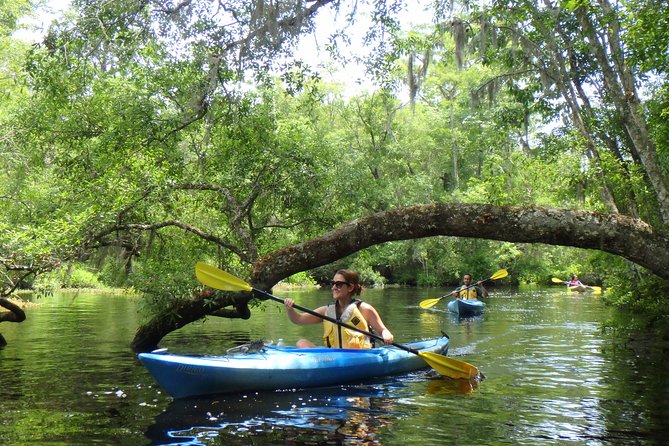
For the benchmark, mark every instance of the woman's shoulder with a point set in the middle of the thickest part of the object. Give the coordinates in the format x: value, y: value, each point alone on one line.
x: 365, y: 306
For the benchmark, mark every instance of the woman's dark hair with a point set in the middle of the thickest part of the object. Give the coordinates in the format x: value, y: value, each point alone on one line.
x: 353, y: 278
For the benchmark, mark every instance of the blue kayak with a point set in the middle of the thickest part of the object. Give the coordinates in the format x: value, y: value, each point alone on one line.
x: 469, y: 307
x: 275, y: 368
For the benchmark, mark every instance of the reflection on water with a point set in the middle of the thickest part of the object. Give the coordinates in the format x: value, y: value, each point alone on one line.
x: 341, y: 415
x: 352, y: 415
x: 440, y: 386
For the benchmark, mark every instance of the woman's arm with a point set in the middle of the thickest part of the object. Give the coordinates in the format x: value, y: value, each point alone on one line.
x: 374, y: 320
x: 302, y: 318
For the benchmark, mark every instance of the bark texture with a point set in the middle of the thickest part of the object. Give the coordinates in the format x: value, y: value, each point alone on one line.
x: 617, y: 234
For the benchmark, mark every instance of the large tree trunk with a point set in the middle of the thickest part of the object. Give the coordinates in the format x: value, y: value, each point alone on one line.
x: 613, y: 233
x: 616, y: 234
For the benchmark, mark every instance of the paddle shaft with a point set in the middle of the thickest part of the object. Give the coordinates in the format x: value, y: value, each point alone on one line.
x: 335, y: 321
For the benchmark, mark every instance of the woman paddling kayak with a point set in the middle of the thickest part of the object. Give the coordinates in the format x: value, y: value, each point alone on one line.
x: 347, y: 309
x: 574, y: 281
x: 576, y: 285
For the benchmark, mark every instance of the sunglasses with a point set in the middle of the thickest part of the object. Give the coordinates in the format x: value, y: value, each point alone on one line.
x: 338, y: 283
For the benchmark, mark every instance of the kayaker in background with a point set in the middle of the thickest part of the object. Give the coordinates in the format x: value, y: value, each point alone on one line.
x: 574, y: 281
x: 467, y: 291
x: 347, y: 309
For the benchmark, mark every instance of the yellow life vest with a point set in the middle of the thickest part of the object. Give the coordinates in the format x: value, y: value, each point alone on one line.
x: 351, y: 338
x: 471, y: 293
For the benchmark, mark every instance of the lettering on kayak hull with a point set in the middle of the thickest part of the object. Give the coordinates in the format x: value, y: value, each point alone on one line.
x: 190, y: 369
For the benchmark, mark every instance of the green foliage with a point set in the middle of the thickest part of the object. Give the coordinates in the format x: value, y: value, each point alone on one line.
x: 113, y: 268
x: 165, y: 272
x: 75, y: 275
x: 658, y: 112
x: 78, y: 277
x: 362, y: 263
x: 71, y: 276
x: 45, y: 285
x: 648, y: 34
x: 162, y: 282
x: 639, y: 292
x: 301, y: 279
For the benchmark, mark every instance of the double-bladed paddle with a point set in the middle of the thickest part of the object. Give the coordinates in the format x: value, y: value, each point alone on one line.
x: 427, y: 303
x: 221, y: 280
x: 595, y: 289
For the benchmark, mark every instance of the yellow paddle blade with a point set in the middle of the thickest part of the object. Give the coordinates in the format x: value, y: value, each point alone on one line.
x: 596, y: 289
x: 220, y: 280
x: 449, y: 367
x: 556, y: 280
x: 428, y: 303
x: 499, y: 274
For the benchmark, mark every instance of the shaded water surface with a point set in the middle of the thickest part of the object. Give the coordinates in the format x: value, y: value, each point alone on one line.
x: 553, y: 376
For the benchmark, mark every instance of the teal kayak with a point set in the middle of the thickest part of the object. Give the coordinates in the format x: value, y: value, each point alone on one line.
x: 274, y: 368
x: 469, y: 307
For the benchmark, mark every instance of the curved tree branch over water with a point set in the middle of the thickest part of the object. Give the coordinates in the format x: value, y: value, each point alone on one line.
x: 630, y: 238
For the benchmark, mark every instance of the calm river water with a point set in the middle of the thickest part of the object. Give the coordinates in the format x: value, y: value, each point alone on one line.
x: 554, y: 375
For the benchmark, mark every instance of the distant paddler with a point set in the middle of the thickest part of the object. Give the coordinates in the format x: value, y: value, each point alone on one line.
x: 576, y: 285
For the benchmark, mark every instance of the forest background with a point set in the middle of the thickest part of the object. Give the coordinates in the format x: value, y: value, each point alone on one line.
x: 139, y: 137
